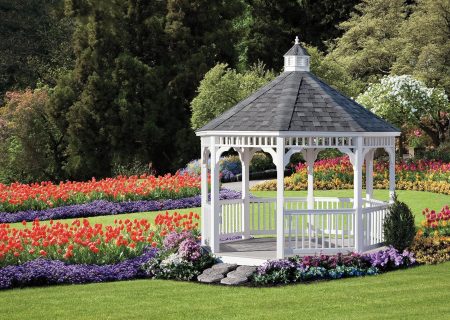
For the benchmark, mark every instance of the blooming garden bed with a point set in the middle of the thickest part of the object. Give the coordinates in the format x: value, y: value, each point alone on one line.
x: 104, y: 207
x: 337, y: 173
x: 44, y: 195
x: 57, y: 253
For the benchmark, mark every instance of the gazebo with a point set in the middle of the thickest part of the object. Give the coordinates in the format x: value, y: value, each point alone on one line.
x: 296, y: 112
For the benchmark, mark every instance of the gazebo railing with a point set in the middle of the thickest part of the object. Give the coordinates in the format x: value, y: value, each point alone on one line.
x: 329, y: 227
x: 373, y: 219
x: 326, y: 230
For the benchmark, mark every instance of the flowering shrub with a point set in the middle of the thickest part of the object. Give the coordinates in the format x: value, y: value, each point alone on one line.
x: 39, y: 196
x: 181, y: 258
x: 438, y: 223
x: 337, y: 173
x: 103, y: 207
x: 310, y: 268
x: 81, y: 242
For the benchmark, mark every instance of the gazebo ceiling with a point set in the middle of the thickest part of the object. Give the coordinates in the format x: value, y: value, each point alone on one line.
x: 298, y: 101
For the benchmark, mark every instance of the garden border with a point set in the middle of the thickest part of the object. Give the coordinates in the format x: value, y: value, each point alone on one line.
x: 105, y: 208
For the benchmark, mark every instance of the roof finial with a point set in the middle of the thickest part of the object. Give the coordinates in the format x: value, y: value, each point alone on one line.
x: 296, y: 40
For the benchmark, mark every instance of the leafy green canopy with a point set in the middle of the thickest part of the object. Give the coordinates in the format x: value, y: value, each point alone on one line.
x: 34, y: 43
x: 137, y: 66
x: 396, y: 37
x: 267, y: 27
x: 222, y: 88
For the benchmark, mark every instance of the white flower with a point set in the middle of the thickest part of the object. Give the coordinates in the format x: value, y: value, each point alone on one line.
x: 174, y: 259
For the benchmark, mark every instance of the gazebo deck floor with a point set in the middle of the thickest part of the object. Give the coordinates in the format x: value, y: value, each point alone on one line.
x: 257, y: 250
x: 261, y: 248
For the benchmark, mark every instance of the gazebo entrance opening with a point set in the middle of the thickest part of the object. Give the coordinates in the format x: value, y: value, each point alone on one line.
x: 296, y: 112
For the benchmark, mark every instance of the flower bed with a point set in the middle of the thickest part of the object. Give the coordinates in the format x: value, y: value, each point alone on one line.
x: 103, y: 207
x: 436, y: 222
x: 310, y: 268
x: 84, y: 253
x: 84, y: 243
x: 431, y: 244
x: 46, y: 272
x: 180, y: 258
x: 39, y: 196
x: 337, y: 173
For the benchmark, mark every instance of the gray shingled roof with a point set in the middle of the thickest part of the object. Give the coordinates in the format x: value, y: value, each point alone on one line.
x: 298, y: 101
x: 297, y: 50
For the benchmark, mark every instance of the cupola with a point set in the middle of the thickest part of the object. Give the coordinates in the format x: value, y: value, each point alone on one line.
x: 297, y: 58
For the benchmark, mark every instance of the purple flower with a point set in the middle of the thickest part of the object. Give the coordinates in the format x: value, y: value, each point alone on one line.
x: 103, y: 207
x: 173, y: 239
x: 280, y: 264
x: 45, y: 272
x: 190, y: 250
x: 390, y: 258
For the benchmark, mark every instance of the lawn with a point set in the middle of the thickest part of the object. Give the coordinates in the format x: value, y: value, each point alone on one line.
x: 417, y: 293
x: 413, y: 294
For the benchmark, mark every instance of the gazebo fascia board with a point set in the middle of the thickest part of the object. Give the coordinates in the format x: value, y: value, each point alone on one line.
x: 296, y: 133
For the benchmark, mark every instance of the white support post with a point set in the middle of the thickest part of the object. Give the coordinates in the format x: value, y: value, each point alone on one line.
x: 369, y: 174
x: 206, y: 215
x: 357, y: 194
x: 279, y: 162
x: 310, y: 156
x: 215, y: 206
x: 245, y: 163
x: 391, y: 152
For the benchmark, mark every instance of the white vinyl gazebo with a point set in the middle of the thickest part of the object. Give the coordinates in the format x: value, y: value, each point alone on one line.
x: 296, y: 112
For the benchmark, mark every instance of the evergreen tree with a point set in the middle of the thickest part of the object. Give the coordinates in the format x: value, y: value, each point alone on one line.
x: 136, y: 70
x: 425, y: 44
x: 200, y: 33
x: 369, y: 45
x: 270, y: 26
x: 34, y: 37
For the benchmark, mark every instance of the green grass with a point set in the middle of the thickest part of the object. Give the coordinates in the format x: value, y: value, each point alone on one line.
x: 417, y: 293
x: 407, y: 294
x: 416, y: 200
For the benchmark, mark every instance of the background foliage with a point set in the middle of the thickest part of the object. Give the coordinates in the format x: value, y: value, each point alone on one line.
x: 125, y: 82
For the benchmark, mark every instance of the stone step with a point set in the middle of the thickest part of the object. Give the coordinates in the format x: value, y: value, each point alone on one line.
x: 226, y: 273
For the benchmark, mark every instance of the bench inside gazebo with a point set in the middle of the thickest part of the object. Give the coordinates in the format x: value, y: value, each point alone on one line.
x: 296, y: 112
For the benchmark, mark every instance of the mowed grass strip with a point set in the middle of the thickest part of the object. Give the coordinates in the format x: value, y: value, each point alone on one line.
x: 417, y: 293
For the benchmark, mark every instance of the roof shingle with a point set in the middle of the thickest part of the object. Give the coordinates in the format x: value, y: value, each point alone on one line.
x: 298, y: 101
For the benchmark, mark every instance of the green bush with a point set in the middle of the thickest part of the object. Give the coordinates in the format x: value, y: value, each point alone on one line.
x: 261, y: 162
x: 399, y: 227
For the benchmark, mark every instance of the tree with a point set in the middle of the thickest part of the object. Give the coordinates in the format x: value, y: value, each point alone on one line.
x: 137, y: 66
x: 267, y: 27
x: 425, y: 44
x: 30, y: 142
x: 405, y: 101
x: 108, y: 106
x: 35, y: 43
x: 369, y: 46
x: 222, y: 88
x: 332, y: 73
